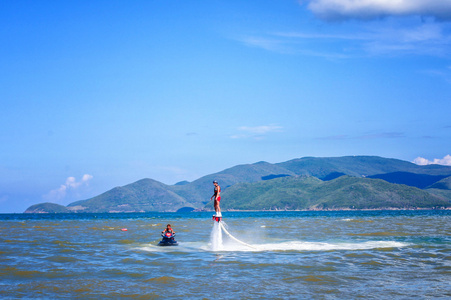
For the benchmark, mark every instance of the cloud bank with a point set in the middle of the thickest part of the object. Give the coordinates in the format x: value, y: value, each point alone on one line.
x: 371, y: 9
x: 446, y: 161
x: 70, y: 185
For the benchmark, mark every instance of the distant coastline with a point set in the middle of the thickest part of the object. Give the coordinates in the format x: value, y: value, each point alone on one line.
x: 303, y: 184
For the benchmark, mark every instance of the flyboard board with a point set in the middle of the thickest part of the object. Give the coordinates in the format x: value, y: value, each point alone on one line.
x: 217, y: 217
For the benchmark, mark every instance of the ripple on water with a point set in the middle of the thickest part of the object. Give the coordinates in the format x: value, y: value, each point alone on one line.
x: 62, y: 243
x: 162, y: 280
x: 119, y: 273
x: 383, y: 233
x: 127, y: 241
x: 317, y: 279
x: 63, y: 259
x: 319, y: 257
x: 15, y: 273
x: 360, y: 255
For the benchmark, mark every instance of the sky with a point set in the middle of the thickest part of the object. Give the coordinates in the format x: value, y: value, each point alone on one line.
x: 99, y: 94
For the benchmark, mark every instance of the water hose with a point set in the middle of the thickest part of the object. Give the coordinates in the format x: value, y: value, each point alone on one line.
x: 235, y: 239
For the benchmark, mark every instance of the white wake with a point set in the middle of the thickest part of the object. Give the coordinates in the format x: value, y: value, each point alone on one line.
x: 235, y: 244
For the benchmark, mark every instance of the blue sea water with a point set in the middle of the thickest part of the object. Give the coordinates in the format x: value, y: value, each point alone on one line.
x: 256, y: 255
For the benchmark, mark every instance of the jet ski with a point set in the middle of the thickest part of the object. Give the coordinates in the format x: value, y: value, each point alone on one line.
x: 168, y: 240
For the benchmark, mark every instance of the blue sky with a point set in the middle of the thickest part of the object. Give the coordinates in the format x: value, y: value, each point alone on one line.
x: 98, y: 94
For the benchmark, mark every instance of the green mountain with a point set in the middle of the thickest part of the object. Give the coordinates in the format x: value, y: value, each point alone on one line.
x: 141, y: 196
x: 150, y: 195
x: 306, y: 192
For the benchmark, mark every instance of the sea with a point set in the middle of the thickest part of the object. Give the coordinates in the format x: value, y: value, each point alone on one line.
x: 248, y: 255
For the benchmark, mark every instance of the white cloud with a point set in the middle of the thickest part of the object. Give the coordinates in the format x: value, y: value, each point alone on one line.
x: 261, y: 129
x: 293, y: 43
x: 256, y: 132
x: 424, y: 39
x: 87, y: 177
x: 421, y: 161
x: 387, y: 37
x: 70, y: 185
x: 267, y: 43
x: 446, y: 161
x: 370, y: 9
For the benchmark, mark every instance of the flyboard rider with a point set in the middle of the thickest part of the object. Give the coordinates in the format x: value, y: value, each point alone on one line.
x: 217, y: 198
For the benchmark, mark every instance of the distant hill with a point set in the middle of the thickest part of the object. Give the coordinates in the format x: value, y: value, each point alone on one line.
x: 444, y: 184
x: 307, y: 192
x: 47, y: 208
x: 358, y: 166
x: 141, y: 196
x: 150, y: 195
x: 417, y: 180
x: 182, y: 182
x: 441, y: 188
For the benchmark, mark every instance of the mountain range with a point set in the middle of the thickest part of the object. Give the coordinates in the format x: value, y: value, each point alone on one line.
x: 309, y: 183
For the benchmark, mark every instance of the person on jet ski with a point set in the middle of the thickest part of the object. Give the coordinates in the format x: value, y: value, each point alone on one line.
x: 168, y: 237
x: 168, y: 229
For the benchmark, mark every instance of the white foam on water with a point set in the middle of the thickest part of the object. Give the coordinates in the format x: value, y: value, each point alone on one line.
x: 148, y: 248
x: 311, y: 246
x: 228, y: 245
x: 322, y: 246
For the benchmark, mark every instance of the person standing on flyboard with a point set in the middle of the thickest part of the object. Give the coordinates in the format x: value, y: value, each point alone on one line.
x: 217, y: 198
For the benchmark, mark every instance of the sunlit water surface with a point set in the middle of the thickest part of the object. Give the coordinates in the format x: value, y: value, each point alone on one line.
x: 263, y: 255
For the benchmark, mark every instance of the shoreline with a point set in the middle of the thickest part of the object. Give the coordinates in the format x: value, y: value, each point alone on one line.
x: 338, y: 209
x: 244, y: 210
